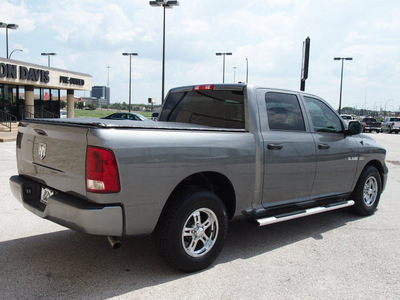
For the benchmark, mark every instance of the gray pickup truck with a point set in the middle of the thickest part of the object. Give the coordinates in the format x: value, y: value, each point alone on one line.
x: 217, y: 152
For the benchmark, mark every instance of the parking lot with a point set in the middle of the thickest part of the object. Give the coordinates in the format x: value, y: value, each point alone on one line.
x: 334, y: 255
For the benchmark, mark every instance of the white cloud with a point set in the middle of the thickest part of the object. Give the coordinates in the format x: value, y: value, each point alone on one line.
x: 88, y: 35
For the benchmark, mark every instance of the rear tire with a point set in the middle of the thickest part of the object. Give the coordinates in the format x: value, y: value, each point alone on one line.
x: 367, y: 193
x: 192, y: 230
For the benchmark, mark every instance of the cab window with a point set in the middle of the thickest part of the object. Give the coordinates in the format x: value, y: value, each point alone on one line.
x: 215, y: 108
x: 284, y: 112
x: 322, y: 116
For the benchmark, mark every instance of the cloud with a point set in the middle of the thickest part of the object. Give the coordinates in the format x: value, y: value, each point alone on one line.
x: 89, y: 35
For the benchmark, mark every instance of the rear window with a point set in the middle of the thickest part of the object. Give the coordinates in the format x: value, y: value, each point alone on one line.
x: 223, y: 109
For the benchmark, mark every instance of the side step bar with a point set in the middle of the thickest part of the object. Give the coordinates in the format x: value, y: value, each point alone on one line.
x: 303, y: 213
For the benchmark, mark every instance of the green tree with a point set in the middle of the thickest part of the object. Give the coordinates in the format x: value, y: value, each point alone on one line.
x: 92, y: 106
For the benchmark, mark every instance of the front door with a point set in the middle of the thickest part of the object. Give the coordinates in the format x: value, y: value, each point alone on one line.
x: 337, y: 155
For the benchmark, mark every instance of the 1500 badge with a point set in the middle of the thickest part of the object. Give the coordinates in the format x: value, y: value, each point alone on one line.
x: 355, y: 158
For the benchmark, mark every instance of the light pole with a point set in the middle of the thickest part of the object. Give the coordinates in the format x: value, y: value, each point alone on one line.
x: 130, y: 54
x: 14, y: 51
x: 108, y: 87
x: 384, y: 113
x: 223, y: 63
x: 164, y: 4
x: 341, y: 78
x: 234, y: 74
x: 108, y: 76
x: 48, y: 57
x: 7, y: 26
x: 247, y: 70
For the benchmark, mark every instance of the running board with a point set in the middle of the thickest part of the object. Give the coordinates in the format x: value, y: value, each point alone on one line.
x: 303, y: 213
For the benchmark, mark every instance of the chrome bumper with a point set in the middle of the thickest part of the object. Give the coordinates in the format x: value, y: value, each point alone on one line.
x: 67, y: 210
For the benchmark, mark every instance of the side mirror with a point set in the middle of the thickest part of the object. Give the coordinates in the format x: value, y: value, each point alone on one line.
x: 354, y: 128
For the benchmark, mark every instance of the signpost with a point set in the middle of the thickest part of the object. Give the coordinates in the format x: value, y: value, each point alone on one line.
x: 304, y: 64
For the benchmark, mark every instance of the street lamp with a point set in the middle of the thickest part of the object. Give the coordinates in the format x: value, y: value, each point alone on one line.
x: 223, y: 64
x: 341, y: 78
x: 130, y: 74
x: 384, y: 113
x: 108, y: 87
x: 247, y: 70
x: 7, y: 26
x: 164, y: 4
x: 14, y: 51
x: 108, y: 76
x: 48, y: 57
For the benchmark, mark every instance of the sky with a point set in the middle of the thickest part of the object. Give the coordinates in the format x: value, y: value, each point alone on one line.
x: 89, y: 35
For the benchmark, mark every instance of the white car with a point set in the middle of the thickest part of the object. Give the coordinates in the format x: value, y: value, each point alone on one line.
x: 63, y: 113
x: 347, y: 118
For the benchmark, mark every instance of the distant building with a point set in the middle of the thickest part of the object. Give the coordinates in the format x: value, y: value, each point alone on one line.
x: 102, y: 93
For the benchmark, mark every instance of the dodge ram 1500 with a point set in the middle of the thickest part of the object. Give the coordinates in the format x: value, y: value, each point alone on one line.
x: 217, y: 152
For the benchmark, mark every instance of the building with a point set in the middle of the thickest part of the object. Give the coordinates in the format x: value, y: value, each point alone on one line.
x: 101, y: 93
x: 29, y: 91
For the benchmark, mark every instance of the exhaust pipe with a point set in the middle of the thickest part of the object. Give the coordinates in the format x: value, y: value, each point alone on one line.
x: 114, y: 242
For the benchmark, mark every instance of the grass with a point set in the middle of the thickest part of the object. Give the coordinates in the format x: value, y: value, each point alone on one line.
x: 102, y: 113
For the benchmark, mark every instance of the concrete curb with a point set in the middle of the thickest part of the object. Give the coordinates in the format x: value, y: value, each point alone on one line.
x: 8, y: 137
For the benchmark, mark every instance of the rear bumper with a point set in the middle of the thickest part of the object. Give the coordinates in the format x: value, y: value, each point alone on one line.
x: 367, y: 127
x: 67, y: 210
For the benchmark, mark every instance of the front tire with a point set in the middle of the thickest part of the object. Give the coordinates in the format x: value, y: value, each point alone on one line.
x: 192, y: 230
x: 367, y: 193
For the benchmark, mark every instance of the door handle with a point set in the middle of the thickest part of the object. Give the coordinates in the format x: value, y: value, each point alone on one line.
x: 275, y: 146
x: 323, y: 146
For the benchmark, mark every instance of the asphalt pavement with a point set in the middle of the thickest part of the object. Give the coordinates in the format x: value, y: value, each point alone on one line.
x: 334, y: 255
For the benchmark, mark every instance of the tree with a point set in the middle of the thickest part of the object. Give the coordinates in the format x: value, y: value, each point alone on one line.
x: 92, y: 106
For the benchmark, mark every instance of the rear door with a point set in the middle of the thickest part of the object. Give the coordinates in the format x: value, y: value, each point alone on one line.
x: 290, y: 157
x: 337, y: 155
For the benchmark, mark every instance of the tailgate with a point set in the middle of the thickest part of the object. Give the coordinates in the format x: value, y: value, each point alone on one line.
x: 54, y: 155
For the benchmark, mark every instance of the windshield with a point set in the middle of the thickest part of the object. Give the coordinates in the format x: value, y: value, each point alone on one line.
x: 222, y: 109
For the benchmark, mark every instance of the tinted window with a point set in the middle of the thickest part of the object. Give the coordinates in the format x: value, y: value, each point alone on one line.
x: 322, y: 116
x: 224, y: 109
x: 284, y: 112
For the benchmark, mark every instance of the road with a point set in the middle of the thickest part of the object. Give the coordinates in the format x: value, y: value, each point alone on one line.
x: 334, y: 255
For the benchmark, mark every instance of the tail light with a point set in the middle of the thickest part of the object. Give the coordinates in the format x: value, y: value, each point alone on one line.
x: 203, y: 87
x: 101, y: 171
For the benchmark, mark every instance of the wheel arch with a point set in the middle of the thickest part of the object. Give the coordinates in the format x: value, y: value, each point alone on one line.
x: 214, y: 182
x: 378, y: 165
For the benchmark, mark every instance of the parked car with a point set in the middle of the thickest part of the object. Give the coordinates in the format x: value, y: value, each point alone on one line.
x: 126, y: 116
x: 63, y: 113
x: 390, y: 125
x: 371, y: 124
x: 347, y: 118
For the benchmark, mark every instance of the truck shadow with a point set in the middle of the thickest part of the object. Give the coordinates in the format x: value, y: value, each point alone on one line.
x: 70, y: 265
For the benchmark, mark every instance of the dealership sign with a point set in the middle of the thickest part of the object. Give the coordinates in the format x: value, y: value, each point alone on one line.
x: 30, y: 74
x: 37, y: 75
